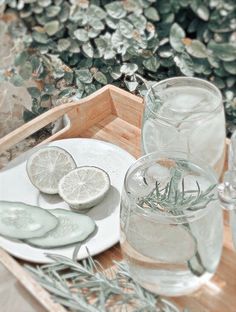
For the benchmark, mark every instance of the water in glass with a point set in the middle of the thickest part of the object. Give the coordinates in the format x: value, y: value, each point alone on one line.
x: 185, y: 114
x: 170, y: 252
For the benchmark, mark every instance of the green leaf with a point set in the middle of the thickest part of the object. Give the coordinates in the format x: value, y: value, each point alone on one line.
x: 34, y: 92
x: 74, y: 46
x: 185, y: 64
x: 96, y: 24
x: 89, y: 88
x: 65, y: 93
x: 176, y: 36
x: 203, y: 12
x: 44, y: 3
x: 126, y: 28
x: 53, y: 10
x: 26, y: 71
x: 84, y: 75
x: 112, y: 23
x: 21, y: 58
x: 40, y: 37
x: 49, y: 88
x: 63, y: 44
x: 197, y: 49
x: 81, y: 35
x: 88, y: 49
x: 100, y: 77
x: 139, y: 21
x: 115, y: 72
x: 230, y: 67
x: 115, y: 9
x: 151, y: 64
x: 17, y: 80
x: 152, y: 14
x: 95, y: 11
x: 131, y: 85
x: 129, y: 69
x: 52, y: 27
x: 224, y: 51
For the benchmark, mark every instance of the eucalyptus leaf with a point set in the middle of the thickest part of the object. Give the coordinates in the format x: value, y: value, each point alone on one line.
x: 115, y: 72
x: 89, y: 88
x: 152, y: 14
x: 63, y: 44
x: 40, y: 37
x: 21, y: 58
x: 34, y: 92
x: 100, y: 77
x: 81, y: 35
x: 115, y: 9
x: 139, y: 21
x: 88, y: 49
x: 17, y: 80
x: 176, y: 36
x: 224, y: 51
x: 131, y: 85
x: 185, y: 64
x: 151, y: 64
x: 84, y: 75
x: 126, y: 28
x: 128, y: 69
x: 197, y: 49
x: 25, y: 70
x: 52, y: 27
x: 230, y: 67
x: 95, y: 11
x: 53, y: 10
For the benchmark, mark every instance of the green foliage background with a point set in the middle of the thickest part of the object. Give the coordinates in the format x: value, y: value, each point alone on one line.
x: 73, y: 48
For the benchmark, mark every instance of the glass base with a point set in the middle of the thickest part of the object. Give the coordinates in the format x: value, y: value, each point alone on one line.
x: 169, y: 283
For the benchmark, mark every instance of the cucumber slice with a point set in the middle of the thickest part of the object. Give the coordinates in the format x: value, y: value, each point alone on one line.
x: 72, y: 228
x: 22, y: 221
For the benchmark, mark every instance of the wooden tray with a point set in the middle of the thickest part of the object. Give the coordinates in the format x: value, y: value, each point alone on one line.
x: 114, y: 115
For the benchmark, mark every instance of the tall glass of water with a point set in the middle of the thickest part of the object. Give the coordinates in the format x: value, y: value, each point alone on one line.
x: 185, y: 114
x: 171, y: 223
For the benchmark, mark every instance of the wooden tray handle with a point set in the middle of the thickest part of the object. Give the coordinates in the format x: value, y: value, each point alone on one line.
x: 34, y: 125
x: 41, y: 121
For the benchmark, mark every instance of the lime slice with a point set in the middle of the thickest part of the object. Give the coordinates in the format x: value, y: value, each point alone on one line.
x: 84, y: 187
x: 47, y: 166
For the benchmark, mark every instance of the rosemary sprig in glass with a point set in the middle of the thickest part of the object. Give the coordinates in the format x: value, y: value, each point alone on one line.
x: 171, y: 200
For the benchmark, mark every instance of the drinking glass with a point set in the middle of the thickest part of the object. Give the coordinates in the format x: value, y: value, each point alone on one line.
x: 185, y: 114
x: 171, y: 222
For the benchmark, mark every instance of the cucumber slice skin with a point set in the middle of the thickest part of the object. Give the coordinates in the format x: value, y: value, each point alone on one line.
x: 22, y: 221
x: 70, y: 230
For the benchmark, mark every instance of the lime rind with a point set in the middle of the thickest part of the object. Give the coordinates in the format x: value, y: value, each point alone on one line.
x: 47, y: 166
x: 84, y: 187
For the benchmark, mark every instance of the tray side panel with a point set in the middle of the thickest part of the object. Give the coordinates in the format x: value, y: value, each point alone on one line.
x: 127, y: 106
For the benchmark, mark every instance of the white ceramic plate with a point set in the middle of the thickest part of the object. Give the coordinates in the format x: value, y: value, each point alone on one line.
x: 16, y: 186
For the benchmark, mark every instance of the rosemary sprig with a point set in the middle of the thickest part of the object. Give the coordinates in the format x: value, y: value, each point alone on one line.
x: 86, y: 287
x: 170, y: 198
x: 174, y: 201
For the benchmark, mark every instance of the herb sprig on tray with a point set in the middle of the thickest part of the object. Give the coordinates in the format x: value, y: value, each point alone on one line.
x: 87, y: 287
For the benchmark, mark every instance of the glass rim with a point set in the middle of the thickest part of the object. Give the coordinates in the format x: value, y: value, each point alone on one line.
x: 161, y: 154
x: 177, y: 78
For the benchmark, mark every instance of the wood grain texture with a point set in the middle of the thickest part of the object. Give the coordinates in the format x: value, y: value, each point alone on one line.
x: 28, y: 282
x: 114, y: 115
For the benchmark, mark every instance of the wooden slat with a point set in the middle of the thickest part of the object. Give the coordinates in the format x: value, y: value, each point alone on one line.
x: 29, y: 283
